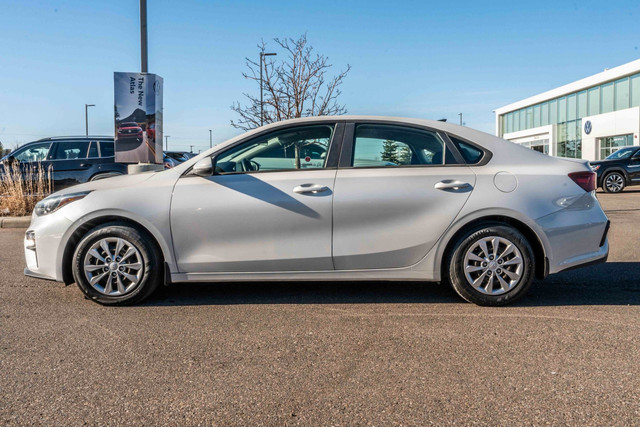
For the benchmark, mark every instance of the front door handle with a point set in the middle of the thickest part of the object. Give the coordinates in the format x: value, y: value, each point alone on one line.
x: 451, y: 185
x: 310, y: 188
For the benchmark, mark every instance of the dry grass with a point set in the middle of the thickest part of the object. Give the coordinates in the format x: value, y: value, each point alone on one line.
x: 20, y: 190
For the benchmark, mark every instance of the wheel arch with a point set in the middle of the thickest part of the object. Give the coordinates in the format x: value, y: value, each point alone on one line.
x: 537, y: 244
x: 619, y: 169
x: 82, y: 227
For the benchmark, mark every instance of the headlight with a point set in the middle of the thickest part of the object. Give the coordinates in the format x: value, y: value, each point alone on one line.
x: 53, y: 203
x: 595, y: 167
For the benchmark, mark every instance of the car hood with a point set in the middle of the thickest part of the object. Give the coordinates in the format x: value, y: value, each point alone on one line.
x: 108, y: 183
x: 603, y: 162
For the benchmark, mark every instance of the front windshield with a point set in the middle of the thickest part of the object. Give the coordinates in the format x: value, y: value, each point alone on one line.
x: 623, y: 153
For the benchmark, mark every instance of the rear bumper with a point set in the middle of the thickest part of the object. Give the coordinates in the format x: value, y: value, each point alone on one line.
x: 577, y: 234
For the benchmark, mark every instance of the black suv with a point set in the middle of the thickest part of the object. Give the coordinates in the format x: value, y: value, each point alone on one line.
x: 72, y: 160
x: 618, y: 170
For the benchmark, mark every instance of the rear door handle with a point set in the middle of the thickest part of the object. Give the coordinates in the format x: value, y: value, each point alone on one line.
x: 309, y: 188
x: 451, y: 185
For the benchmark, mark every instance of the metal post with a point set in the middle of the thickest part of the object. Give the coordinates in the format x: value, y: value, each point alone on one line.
x: 86, y: 118
x: 143, y: 36
x: 166, y: 142
x: 210, y: 139
x: 460, y: 114
x: 262, y: 55
x: 191, y: 149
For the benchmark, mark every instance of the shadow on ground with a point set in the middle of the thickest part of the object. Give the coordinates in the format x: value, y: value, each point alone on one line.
x: 614, y: 283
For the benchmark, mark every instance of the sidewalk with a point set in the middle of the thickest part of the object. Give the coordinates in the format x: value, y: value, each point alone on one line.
x: 15, y: 221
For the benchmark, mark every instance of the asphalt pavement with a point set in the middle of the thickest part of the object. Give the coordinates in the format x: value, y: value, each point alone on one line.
x: 328, y: 353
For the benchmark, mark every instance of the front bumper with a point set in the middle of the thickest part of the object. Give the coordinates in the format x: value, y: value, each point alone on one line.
x: 577, y: 234
x: 43, y: 258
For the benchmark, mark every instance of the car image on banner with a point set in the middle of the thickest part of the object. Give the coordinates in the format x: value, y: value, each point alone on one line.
x: 138, y: 118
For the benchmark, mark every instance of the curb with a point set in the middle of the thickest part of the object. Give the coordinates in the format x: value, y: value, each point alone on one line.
x: 15, y: 222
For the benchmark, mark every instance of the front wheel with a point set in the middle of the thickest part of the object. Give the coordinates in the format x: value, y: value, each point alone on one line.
x: 492, y: 265
x: 115, y: 264
x: 613, y: 182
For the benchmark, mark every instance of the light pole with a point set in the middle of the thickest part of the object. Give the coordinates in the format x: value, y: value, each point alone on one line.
x: 166, y: 142
x: 460, y: 114
x: 210, y: 139
x: 191, y: 149
x: 262, y: 55
x: 86, y: 118
x: 143, y: 36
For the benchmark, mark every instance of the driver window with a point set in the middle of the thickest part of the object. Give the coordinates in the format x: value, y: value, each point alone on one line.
x: 288, y: 149
x: 35, y: 153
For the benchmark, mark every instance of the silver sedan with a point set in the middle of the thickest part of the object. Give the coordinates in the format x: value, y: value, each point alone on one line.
x: 328, y: 198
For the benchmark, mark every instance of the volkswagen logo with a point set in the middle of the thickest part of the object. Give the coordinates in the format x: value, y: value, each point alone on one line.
x: 587, y: 127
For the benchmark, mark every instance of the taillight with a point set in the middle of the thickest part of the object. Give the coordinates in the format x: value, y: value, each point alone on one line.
x: 586, y: 180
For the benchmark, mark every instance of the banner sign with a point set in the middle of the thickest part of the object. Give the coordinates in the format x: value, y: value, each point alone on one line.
x: 138, y: 117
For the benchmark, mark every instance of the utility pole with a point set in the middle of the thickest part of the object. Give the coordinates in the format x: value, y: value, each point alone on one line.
x: 166, y: 142
x: 86, y: 118
x: 143, y: 36
x: 460, y: 114
x: 262, y: 55
x: 191, y: 149
x: 210, y: 139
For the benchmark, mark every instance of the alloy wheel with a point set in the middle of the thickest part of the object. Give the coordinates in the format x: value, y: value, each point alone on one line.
x: 614, y: 182
x: 493, y: 265
x: 113, y: 266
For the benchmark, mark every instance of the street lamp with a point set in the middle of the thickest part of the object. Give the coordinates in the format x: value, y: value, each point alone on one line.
x: 262, y: 55
x: 210, y: 139
x: 166, y: 142
x: 86, y: 117
x: 460, y: 114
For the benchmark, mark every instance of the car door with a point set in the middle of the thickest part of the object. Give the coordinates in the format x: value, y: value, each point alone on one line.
x: 70, y: 163
x: 397, y: 190
x: 634, y: 167
x: 265, y: 209
x: 32, y: 161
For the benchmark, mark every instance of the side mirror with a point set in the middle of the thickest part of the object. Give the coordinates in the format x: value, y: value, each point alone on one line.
x: 204, y: 167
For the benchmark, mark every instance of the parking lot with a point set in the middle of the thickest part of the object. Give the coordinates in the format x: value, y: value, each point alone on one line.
x: 328, y: 353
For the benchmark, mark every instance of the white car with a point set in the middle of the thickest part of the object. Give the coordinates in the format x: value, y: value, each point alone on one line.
x: 329, y: 198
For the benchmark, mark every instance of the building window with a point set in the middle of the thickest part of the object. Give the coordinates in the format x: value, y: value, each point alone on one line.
x: 611, y: 144
x: 536, y: 115
x: 594, y: 101
x: 562, y: 109
x: 540, y: 145
x: 622, y: 94
x: 523, y: 119
x: 606, y: 98
x: 571, y: 107
x: 582, y: 104
x: 544, y: 114
x: 553, y: 112
x: 635, y: 90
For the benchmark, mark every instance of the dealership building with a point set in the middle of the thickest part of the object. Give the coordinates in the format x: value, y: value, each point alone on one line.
x: 587, y: 119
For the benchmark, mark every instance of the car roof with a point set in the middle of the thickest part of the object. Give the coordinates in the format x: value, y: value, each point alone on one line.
x: 76, y: 137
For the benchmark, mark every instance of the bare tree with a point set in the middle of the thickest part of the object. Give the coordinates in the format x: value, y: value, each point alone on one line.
x: 296, y: 86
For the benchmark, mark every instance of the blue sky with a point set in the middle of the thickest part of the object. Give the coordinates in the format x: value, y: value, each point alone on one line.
x: 408, y: 58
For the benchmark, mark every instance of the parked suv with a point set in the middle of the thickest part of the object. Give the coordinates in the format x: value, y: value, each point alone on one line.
x: 72, y: 160
x: 618, y: 170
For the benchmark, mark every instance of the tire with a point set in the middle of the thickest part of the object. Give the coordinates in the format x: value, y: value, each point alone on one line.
x: 132, y: 275
x: 502, y: 270
x: 613, y: 182
x: 104, y: 175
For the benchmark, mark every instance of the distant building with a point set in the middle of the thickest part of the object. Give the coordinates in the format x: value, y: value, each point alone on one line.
x: 587, y: 119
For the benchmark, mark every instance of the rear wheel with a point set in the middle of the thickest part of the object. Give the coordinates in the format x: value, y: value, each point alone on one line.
x: 115, y: 264
x: 613, y: 182
x: 492, y: 265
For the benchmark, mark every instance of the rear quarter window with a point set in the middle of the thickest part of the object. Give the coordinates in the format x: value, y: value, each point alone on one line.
x: 470, y: 154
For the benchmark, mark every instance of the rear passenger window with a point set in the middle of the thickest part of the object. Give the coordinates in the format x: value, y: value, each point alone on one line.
x: 389, y: 145
x: 71, y: 150
x: 106, y: 148
x: 471, y: 154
